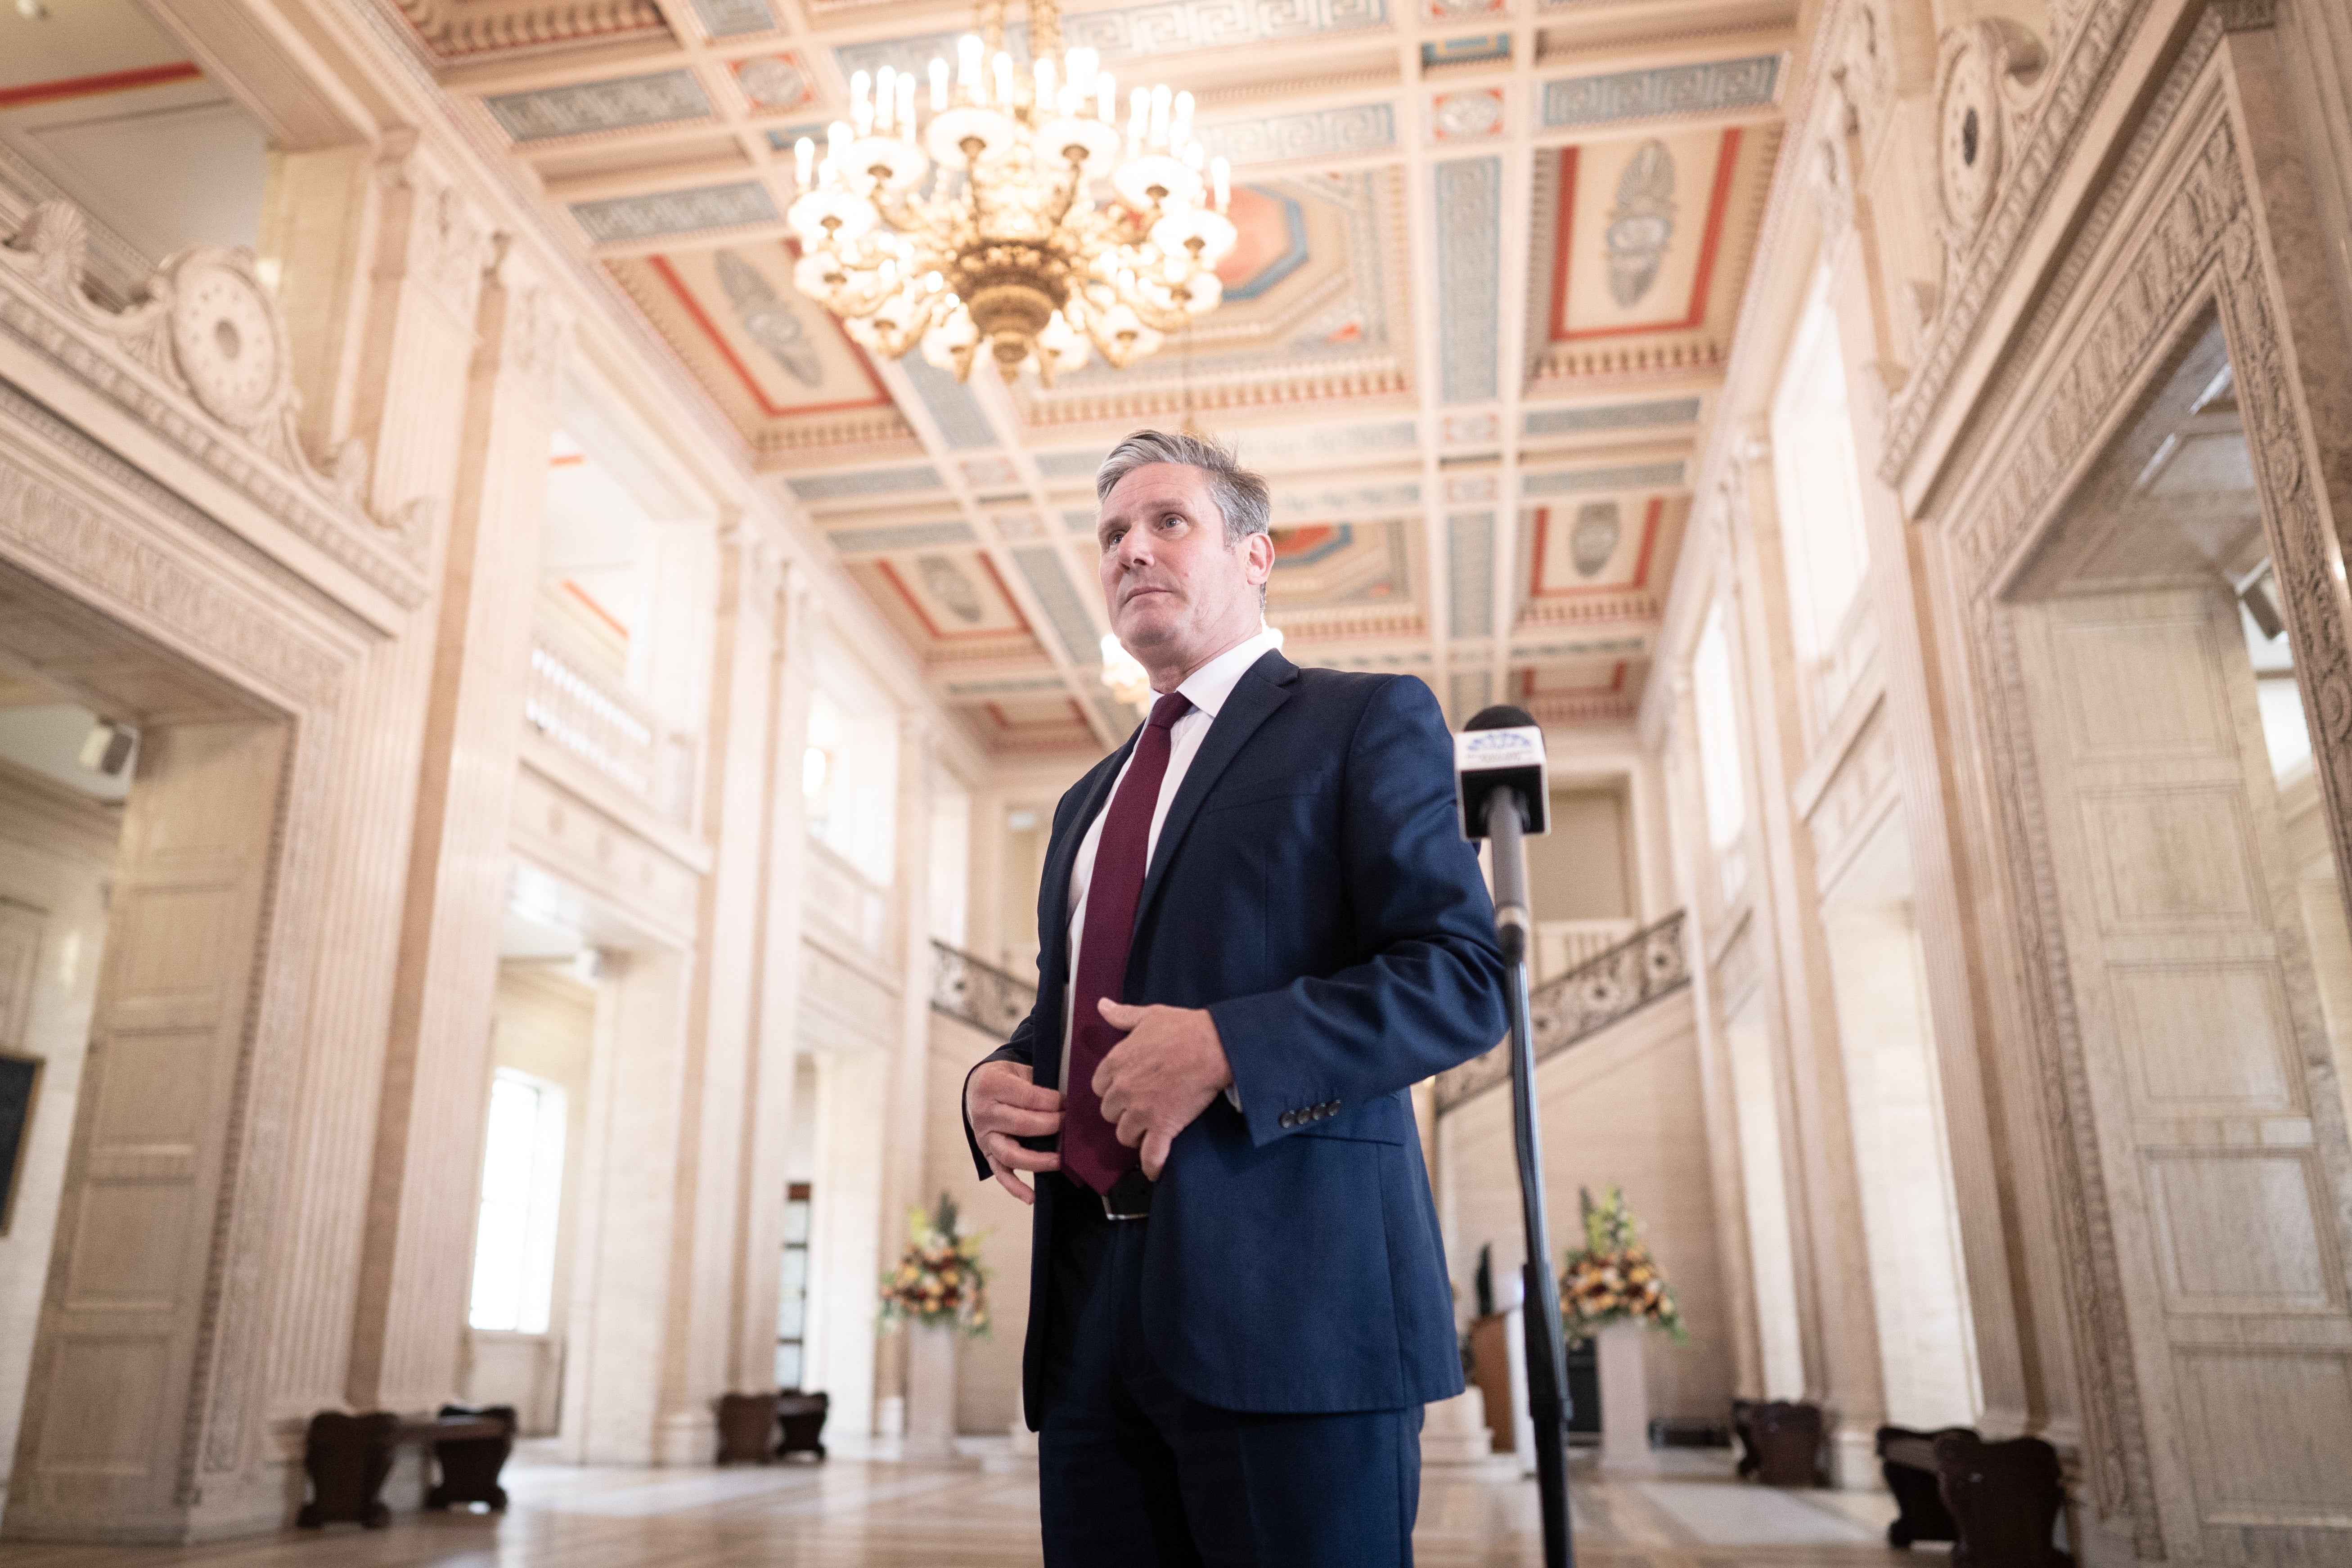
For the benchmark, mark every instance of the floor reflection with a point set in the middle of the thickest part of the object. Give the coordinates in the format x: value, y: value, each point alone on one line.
x: 871, y: 1513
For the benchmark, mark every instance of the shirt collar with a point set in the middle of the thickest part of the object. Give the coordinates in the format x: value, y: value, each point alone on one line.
x: 1209, y: 686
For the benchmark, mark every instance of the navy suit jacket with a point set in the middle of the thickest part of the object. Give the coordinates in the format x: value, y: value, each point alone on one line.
x: 1311, y: 890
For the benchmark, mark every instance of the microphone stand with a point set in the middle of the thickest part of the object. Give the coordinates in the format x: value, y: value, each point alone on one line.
x: 1547, y: 1401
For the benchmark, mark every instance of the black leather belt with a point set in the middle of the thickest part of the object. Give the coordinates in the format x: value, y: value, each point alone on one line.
x: 1130, y: 1197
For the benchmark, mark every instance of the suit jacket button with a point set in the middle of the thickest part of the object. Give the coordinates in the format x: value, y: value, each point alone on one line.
x: 1331, y: 1108
x: 1288, y: 1119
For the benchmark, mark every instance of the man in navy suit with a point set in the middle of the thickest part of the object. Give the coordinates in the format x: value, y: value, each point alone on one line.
x: 1259, y: 928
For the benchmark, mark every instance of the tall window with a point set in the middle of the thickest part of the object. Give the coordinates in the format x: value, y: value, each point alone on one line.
x: 1718, y: 733
x: 791, y: 1301
x: 522, y: 1185
x: 849, y: 770
x: 1815, y: 474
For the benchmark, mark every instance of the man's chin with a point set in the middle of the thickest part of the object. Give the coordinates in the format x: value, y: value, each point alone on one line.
x: 1144, y: 629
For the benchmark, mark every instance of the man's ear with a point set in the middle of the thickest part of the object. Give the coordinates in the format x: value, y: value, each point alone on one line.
x: 1257, y: 557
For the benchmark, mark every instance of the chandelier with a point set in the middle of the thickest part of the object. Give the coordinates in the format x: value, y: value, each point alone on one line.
x: 977, y: 221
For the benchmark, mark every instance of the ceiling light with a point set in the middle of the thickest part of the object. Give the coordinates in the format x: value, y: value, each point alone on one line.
x: 964, y: 215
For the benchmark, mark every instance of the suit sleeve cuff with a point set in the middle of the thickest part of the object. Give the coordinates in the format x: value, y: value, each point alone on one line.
x: 964, y: 1100
x: 1269, y: 1088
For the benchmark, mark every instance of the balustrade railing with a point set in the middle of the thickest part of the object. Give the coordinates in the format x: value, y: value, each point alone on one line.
x: 1563, y: 945
x: 1651, y: 963
x: 589, y: 714
x: 978, y: 993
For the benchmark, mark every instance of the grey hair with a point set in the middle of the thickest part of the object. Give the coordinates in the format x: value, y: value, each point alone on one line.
x: 1241, y: 496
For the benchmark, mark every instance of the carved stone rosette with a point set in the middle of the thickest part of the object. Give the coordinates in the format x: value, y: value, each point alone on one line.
x: 1984, y: 73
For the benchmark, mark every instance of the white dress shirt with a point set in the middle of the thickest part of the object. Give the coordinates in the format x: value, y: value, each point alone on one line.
x: 1208, y: 687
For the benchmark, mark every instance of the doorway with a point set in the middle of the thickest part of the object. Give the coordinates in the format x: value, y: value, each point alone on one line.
x: 2195, y: 929
x: 143, y: 803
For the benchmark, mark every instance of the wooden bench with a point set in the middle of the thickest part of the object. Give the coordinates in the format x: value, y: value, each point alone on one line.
x: 1781, y: 1443
x: 347, y: 1458
x: 1998, y: 1503
x: 801, y: 1418
x: 1907, y: 1460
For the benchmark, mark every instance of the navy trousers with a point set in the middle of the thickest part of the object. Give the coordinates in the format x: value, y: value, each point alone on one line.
x: 1134, y: 1473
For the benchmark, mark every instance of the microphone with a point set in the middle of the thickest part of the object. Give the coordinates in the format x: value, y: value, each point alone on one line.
x: 1499, y: 793
x: 1500, y: 749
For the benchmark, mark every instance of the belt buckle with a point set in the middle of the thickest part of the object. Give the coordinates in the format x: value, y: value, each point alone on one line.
x: 1130, y: 1187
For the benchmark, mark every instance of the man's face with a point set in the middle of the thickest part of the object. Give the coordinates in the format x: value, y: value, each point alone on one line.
x: 1177, y: 594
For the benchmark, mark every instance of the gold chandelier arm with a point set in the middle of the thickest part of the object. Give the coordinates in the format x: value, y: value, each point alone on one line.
x: 1044, y: 37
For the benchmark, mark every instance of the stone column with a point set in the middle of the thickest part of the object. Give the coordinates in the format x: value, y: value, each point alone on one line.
x: 909, y: 1071
x: 1842, y: 1348
x: 380, y: 267
x: 738, y: 780
x: 1680, y: 785
x: 1867, y: 186
x: 774, y: 1047
x: 621, y: 1299
x: 419, y: 1219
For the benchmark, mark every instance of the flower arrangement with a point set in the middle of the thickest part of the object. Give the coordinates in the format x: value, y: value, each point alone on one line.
x: 1612, y: 1277
x: 940, y: 1281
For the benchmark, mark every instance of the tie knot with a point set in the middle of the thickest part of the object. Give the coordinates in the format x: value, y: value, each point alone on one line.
x: 1170, y: 708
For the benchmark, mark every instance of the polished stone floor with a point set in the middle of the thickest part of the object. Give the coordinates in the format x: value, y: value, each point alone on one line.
x: 858, y: 1513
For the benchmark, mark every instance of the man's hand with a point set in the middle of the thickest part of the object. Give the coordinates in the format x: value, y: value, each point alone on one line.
x: 1005, y: 1105
x: 1163, y: 1075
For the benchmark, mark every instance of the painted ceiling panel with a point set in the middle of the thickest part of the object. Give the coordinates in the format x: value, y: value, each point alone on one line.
x: 1560, y: 207
x: 1600, y: 556
x: 952, y: 603
x: 734, y: 309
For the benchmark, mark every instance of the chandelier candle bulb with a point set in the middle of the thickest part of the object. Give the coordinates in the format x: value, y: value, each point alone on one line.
x: 939, y: 85
x: 1044, y: 73
x: 886, y: 100
x: 803, y: 163
x: 1181, y: 128
x: 1159, y: 103
x: 1220, y: 180
x: 1107, y: 88
x: 906, y: 105
x: 968, y: 65
x: 1003, y: 66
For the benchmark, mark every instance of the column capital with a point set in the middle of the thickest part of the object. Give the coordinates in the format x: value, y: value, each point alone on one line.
x: 534, y: 327
x: 447, y: 244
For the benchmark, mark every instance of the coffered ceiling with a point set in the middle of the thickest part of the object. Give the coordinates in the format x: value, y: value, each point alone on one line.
x: 1492, y: 257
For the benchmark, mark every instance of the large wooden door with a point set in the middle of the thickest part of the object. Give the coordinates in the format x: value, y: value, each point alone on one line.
x: 110, y: 1444
x: 2206, y: 1053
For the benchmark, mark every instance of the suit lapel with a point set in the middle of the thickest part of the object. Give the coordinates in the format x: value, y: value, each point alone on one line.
x: 1053, y: 931
x: 1265, y: 686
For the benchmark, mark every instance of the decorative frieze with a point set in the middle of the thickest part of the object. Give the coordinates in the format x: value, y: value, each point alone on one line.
x: 1468, y: 198
x: 1711, y: 87
x: 201, y: 362
x: 96, y: 550
x: 2086, y: 65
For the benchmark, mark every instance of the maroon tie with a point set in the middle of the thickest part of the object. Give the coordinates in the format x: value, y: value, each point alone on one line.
x: 1091, y: 1151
